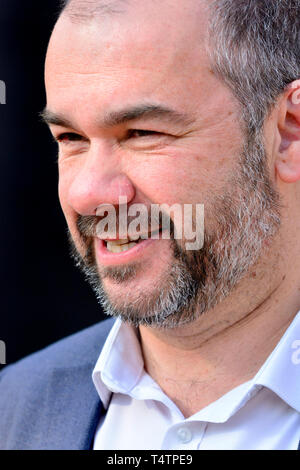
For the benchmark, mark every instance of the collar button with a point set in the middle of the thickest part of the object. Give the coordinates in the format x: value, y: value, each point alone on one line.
x: 184, y: 435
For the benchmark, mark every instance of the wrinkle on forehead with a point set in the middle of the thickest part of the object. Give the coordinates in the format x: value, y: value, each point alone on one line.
x: 85, y: 10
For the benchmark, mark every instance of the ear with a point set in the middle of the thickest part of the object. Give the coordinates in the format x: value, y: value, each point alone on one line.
x: 288, y: 157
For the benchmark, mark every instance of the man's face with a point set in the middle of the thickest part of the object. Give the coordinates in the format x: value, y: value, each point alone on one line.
x: 105, y: 68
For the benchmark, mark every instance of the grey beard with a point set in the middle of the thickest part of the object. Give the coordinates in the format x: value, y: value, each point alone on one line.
x: 245, y: 215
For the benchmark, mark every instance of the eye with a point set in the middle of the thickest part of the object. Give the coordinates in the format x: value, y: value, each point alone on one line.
x: 68, y: 137
x: 136, y: 133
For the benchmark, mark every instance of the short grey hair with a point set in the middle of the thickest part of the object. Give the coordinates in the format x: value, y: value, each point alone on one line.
x: 254, y: 48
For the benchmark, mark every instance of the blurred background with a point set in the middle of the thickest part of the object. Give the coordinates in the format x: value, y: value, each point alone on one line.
x: 43, y: 296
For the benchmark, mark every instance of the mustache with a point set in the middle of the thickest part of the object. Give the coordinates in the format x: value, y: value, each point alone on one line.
x: 87, y: 225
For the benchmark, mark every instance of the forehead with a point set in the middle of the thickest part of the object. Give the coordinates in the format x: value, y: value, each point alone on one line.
x: 155, y: 52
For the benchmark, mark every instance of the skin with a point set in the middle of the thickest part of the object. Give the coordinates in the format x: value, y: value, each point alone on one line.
x: 100, y: 66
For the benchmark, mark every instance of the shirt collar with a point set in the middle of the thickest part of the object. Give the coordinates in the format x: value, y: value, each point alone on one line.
x: 120, y: 368
x: 281, y: 371
x: 120, y: 364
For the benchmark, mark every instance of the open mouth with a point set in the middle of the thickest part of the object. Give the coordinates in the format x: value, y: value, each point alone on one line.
x: 119, y: 246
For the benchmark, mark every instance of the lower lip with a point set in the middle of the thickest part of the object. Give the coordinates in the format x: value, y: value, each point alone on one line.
x: 106, y: 258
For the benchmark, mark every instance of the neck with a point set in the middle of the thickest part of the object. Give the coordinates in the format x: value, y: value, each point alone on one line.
x: 198, y: 363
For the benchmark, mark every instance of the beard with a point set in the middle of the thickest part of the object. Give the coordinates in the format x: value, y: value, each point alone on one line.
x: 244, y: 216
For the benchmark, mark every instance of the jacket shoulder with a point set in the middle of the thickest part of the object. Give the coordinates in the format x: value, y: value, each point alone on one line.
x: 73, y: 351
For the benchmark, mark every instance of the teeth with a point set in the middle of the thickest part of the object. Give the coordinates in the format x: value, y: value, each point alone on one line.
x: 124, y: 241
x: 118, y: 242
x: 134, y: 238
x: 117, y: 248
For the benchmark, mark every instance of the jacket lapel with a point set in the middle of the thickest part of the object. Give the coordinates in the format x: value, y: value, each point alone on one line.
x: 70, y: 418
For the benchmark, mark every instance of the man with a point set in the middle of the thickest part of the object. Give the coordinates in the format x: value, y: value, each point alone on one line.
x: 186, y: 102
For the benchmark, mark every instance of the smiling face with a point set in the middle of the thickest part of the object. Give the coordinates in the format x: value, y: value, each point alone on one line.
x: 138, y: 113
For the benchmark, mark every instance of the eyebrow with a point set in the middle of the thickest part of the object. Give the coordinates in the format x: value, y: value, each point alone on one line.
x: 115, y: 118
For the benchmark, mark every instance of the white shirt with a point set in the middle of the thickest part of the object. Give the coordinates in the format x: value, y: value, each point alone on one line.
x: 263, y: 413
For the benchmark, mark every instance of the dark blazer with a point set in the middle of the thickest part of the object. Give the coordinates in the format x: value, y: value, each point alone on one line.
x: 48, y: 400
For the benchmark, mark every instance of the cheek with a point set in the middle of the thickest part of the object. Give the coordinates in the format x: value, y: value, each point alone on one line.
x: 64, y: 184
x: 184, y: 177
x: 63, y: 188
x: 159, y: 182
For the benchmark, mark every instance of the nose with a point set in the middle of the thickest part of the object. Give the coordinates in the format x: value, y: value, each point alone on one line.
x: 99, y: 180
